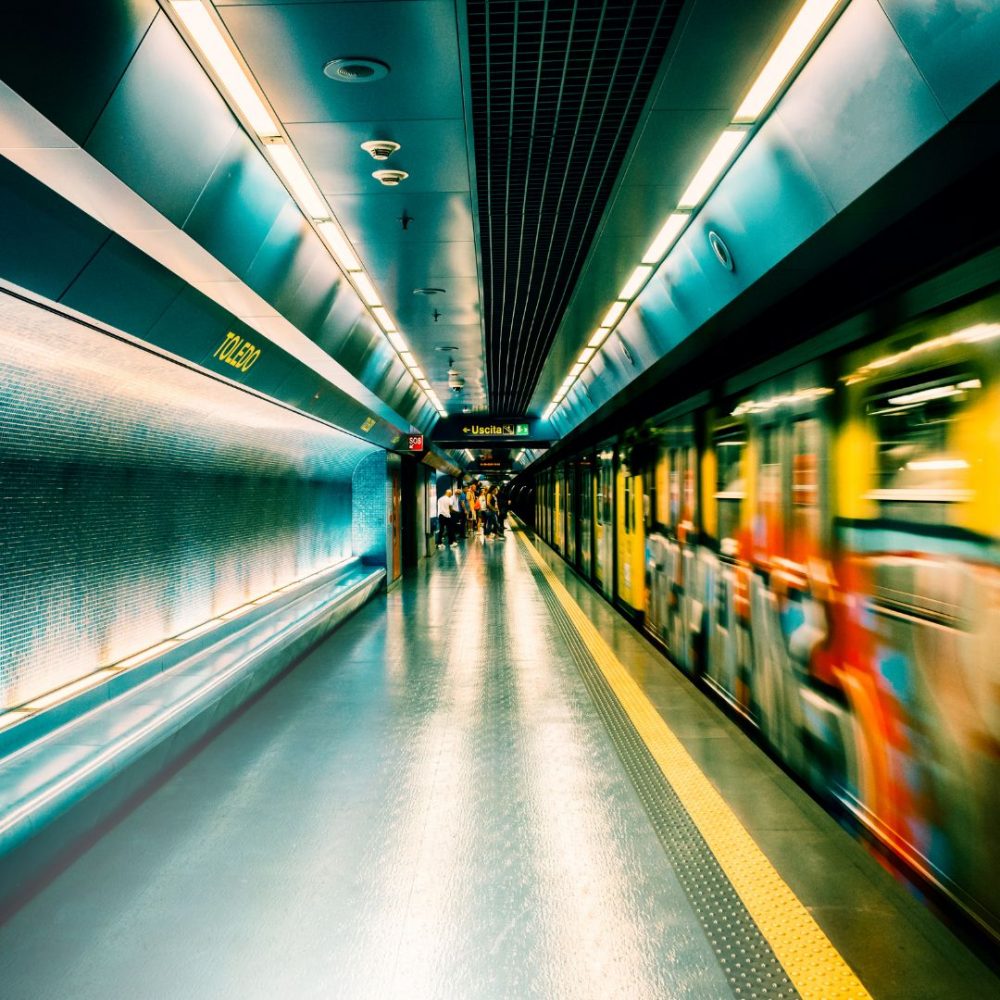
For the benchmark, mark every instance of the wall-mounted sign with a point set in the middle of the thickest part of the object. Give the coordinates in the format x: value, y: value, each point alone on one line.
x: 237, y: 352
x: 416, y: 442
x: 368, y: 424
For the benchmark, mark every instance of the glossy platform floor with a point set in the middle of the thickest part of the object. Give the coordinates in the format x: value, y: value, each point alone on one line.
x: 432, y: 804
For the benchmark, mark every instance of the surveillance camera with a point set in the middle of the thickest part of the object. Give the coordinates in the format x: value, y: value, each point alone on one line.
x: 455, y: 381
x: 456, y: 386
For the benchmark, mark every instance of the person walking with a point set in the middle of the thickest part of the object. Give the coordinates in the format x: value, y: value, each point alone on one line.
x: 444, y: 518
x: 457, y: 517
x: 501, y: 511
x: 470, y: 510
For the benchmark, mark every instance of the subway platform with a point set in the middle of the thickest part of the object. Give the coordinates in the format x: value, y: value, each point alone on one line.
x: 484, y: 785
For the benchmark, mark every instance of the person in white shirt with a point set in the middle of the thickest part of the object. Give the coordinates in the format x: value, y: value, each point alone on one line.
x: 456, y: 518
x: 444, y: 518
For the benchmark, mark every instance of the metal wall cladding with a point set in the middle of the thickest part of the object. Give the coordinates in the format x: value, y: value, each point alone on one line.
x: 142, y: 498
x: 66, y: 57
x: 867, y: 100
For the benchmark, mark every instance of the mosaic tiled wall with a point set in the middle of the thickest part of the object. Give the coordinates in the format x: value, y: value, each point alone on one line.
x: 141, y: 498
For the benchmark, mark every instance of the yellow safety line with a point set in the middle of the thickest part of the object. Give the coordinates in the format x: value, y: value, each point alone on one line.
x: 814, y: 966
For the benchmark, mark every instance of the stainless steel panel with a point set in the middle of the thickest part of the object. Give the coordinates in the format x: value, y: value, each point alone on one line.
x: 239, y: 206
x: 65, y: 58
x: 435, y: 217
x: 44, y: 241
x: 165, y: 127
x: 955, y: 44
x: 124, y: 288
x: 860, y: 105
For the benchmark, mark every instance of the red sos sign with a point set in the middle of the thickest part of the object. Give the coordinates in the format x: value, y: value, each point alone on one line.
x: 416, y: 442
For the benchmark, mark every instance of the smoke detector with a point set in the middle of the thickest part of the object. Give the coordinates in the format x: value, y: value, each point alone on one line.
x: 356, y: 69
x: 380, y: 149
x: 390, y: 178
x: 455, y: 381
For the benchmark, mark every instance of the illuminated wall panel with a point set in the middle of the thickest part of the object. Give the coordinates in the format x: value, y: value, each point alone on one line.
x: 142, y: 498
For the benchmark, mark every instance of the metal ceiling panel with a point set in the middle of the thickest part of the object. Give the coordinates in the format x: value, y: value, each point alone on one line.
x: 287, y: 46
x: 435, y: 217
x: 557, y: 90
x: 433, y: 153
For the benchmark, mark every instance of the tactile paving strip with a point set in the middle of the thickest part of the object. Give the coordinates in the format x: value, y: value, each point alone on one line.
x: 746, y: 958
x: 813, y: 966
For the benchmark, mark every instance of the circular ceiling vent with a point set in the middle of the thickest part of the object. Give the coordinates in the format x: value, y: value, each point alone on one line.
x: 390, y: 178
x: 355, y: 69
x: 446, y: 347
x: 428, y: 291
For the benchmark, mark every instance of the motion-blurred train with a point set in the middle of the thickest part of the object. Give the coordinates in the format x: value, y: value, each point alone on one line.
x: 822, y: 550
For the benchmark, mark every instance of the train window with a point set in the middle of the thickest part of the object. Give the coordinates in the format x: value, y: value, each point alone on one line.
x: 920, y: 469
x: 676, y: 481
x: 805, y: 486
x: 730, y: 484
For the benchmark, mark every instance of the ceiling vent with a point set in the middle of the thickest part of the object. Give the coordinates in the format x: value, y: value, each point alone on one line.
x: 431, y: 291
x: 390, y: 178
x: 356, y: 69
x: 380, y: 149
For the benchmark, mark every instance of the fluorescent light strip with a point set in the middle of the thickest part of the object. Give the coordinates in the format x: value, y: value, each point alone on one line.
x: 339, y: 246
x: 576, y: 370
x: 231, y: 74
x: 397, y: 340
x: 614, y: 314
x: 423, y: 383
x: 385, y: 321
x: 585, y: 355
x: 407, y: 359
x: 599, y: 337
x: 666, y: 237
x: 364, y: 285
x: 812, y: 16
x: 298, y: 180
x: 417, y: 373
x: 712, y: 167
x: 635, y: 282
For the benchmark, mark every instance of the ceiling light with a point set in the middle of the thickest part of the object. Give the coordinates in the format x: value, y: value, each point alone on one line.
x: 549, y: 410
x: 380, y: 149
x: 397, y: 340
x: 407, y: 358
x: 356, y: 69
x: 635, y: 282
x: 417, y: 373
x: 384, y: 319
x: 568, y: 381
x: 364, y: 285
x: 614, y: 314
x: 339, y: 245
x: 423, y: 383
x: 390, y: 178
x: 298, y: 180
x: 665, y: 237
x: 576, y: 369
x: 810, y: 18
x: 231, y: 74
x: 599, y: 337
x: 719, y: 157
x: 585, y: 355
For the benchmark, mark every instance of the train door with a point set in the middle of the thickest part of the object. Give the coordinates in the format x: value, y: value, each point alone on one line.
x: 558, y: 510
x: 586, y: 506
x: 604, y: 502
x: 571, y: 519
x: 630, y: 529
x: 728, y: 624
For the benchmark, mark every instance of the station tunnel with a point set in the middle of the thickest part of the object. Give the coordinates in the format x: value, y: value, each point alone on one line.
x: 501, y: 499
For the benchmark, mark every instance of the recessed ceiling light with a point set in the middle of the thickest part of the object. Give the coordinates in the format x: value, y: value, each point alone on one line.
x: 356, y: 69
x: 429, y: 291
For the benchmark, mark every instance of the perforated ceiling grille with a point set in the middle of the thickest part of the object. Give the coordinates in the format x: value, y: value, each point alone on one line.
x: 557, y: 90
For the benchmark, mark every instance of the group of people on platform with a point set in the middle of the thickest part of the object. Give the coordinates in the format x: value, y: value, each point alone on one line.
x: 466, y: 511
